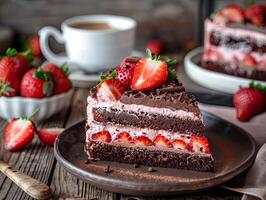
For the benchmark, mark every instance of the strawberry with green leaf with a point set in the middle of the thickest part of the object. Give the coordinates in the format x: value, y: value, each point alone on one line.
x: 13, y: 66
x: 37, y: 84
x: 109, y: 88
x: 152, y: 71
x: 60, y: 76
x: 250, y: 101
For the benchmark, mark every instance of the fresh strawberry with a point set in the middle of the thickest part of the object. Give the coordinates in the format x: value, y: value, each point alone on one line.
x: 199, y: 144
x: 60, y: 76
x: 250, y: 101
x: 103, y: 136
x: 49, y: 135
x: 34, y: 45
x: 180, y: 144
x: 256, y: 14
x: 110, y: 90
x: 12, y: 67
x: 150, y: 73
x: 233, y: 13
x: 18, y: 133
x: 162, y: 141
x: 36, y: 84
x: 124, y: 72
x: 143, y: 140
x: 124, y: 137
x: 249, y: 60
x: 156, y: 47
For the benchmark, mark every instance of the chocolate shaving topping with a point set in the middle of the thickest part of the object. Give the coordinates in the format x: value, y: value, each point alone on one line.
x: 170, y: 95
x: 93, y: 92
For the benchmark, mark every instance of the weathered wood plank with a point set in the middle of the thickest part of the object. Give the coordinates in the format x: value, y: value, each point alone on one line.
x: 37, y: 160
x: 214, y: 194
x: 65, y: 185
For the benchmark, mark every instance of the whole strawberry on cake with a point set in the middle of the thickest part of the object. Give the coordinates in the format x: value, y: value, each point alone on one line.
x: 140, y: 114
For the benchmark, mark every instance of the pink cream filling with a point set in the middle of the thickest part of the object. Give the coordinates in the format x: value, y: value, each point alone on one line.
x: 93, y: 103
x: 135, y: 132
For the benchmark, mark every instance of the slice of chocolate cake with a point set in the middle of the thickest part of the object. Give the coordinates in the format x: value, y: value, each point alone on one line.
x: 235, y: 42
x: 153, y: 124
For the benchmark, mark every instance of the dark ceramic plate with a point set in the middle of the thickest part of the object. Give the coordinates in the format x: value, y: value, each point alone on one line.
x: 233, y: 149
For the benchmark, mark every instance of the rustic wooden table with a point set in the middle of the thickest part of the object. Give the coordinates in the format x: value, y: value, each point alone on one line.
x: 38, y: 161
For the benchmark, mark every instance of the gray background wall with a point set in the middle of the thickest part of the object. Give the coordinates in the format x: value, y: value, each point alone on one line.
x: 173, y: 21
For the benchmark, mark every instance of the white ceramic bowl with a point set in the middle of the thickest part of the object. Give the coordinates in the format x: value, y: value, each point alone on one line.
x: 11, y: 107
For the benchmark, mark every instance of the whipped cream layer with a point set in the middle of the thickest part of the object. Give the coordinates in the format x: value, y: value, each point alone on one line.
x: 114, y: 130
x: 93, y: 103
x: 210, y: 27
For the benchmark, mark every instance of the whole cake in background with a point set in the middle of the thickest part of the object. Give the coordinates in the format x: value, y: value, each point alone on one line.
x: 235, y: 42
x: 140, y: 114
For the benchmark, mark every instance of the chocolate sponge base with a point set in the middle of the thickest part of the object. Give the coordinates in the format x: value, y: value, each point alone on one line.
x: 148, y: 156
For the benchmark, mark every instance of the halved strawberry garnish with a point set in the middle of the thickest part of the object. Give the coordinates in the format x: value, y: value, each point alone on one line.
x: 199, y: 144
x: 143, y: 140
x: 110, y: 90
x: 233, y: 13
x: 249, y: 60
x: 49, y: 135
x: 103, y: 136
x: 149, y: 74
x: 180, y: 144
x: 162, y: 141
x: 124, y: 137
x: 18, y: 133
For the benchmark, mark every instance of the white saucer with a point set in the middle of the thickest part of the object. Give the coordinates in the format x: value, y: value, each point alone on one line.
x: 210, y: 79
x: 81, y: 79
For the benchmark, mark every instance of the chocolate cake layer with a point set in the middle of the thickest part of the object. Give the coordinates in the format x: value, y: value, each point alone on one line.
x: 170, y: 95
x: 149, y: 157
x: 234, y: 42
x: 233, y: 69
x: 148, y: 120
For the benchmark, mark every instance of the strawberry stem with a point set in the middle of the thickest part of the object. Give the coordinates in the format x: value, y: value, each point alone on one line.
x: 148, y: 53
x: 11, y: 52
x: 5, y: 89
x: 34, y: 113
x: 65, y: 69
x: 27, y: 54
x: 257, y: 86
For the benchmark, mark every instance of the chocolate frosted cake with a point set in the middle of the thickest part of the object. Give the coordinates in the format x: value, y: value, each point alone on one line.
x: 235, y: 42
x: 147, y: 122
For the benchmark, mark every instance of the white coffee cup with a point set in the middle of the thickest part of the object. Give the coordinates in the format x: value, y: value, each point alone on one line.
x: 91, y: 50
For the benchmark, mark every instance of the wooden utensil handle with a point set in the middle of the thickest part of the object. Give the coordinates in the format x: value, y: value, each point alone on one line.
x: 31, y: 186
